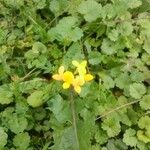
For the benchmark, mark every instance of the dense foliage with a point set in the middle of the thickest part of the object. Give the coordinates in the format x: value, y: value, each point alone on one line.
x: 112, y: 111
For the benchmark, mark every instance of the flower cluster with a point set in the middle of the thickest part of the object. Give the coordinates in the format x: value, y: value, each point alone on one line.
x: 76, y: 79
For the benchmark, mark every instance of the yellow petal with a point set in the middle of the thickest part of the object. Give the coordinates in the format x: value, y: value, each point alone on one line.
x: 68, y: 77
x: 77, y: 89
x: 75, y: 63
x: 61, y: 70
x: 88, y: 77
x: 80, y: 80
x: 66, y: 85
x: 82, y: 70
x: 83, y: 63
x: 56, y: 77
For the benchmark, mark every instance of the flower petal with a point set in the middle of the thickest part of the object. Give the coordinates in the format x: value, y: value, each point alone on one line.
x: 66, y: 85
x: 88, y: 77
x: 81, y: 70
x: 68, y: 77
x: 56, y: 77
x: 83, y: 63
x: 75, y: 63
x: 61, y: 69
x: 77, y: 89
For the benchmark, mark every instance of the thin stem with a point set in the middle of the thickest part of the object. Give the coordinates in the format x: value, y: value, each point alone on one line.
x: 74, y: 118
x: 116, y: 109
x: 27, y: 75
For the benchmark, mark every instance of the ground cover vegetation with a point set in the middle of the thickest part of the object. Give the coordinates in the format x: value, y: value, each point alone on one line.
x: 99, y: 50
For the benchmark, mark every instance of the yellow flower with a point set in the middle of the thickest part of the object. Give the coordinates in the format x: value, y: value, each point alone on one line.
x: 77, y: 83
x: 59, y: 76
x: 81, y: 67
x: 88, y: 77
x: 68, y: 78
x: 80, y: 80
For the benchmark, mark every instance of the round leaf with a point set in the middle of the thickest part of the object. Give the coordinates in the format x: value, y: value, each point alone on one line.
x: 137, y: 90
x: 3, y: 138
x: 35, y: 99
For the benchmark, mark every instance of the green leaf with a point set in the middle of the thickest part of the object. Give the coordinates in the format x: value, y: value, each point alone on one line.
x: 68, y: 140
x: 108, y: 47
x: 60, y: 109
x: 113, y: 35
x: 132, y: 3
x: 101, y: 137
x: 143, y: 137
x: 146, y: 46
x: 40, y: 4
x: 137, y: 76
x: 145, y: 102
x: 22, y: 140
x: 35, y: 99
x: 6, y: 96
x: 111, y: 126
x: 144, y: 122
x: 129, y: 137
x: 39, y: 47
x: 125, y: 28
x: 123, y: 80
x: 3, y: 35
x: 90, y: 9
x: 116, y: 145
x: 57, y: 6
x: 65, y: 139
x: 137, y: 90
x: 94, y: 58
x: 3, y: 138
x: 66, y: 30
x: 146, y: 58
x: 108, y: 82
x: 74, y: 53
x: 17, y: 123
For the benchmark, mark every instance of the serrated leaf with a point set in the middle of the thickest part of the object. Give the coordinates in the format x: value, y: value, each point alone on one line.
x: 64, y: 139
x: 22, y: 140
x: 116, y: 145
x: 143, y: 137
x: 40, y: 4
x: 145, y: 102
x: 3, y: 138
x: 123, y: 80
x: 17, y: 123
x: 137, y: 90
x: 57, y: 6
x: 113, y: 35
x: 108, y: 47
x: 60, y: 109
x: 101, y: 137
x: 132, y: 3
x: 94, y: 58
x: 137, y: 76
x: 39, y: 47
x: 144, y: 122
x: 146, y: 46
x: 129, y: 137
x: 111, y: 126
x: 125, y: 28
x: 66, y: 30
x: 6, y: 96
x: 108, y: 82
x: 90, y: 9
x: 35, y: 99
x: 74, y: 53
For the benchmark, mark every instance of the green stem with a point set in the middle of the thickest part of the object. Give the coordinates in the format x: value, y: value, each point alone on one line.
x: 74, y: 119
x: 117, y: 109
